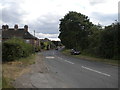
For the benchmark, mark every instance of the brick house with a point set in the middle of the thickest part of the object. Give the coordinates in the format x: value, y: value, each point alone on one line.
x: 23, y: 33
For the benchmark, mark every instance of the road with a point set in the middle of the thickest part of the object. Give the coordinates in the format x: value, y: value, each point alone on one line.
x: 77, y: 73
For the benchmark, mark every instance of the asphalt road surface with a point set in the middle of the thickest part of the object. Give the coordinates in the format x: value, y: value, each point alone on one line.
x: 77, y: 73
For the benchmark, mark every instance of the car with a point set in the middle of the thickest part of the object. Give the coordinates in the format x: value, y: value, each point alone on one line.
x: 75, y: 52
x: 56, y: 49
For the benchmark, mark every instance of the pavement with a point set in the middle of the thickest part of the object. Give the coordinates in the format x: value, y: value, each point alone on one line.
x: 55, y: 70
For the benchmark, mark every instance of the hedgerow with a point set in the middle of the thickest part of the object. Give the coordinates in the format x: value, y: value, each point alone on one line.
x: 15, y: 48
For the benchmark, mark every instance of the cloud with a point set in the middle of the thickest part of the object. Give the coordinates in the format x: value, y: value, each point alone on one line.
x: 104, y: 19
x: 11, y: 16
x: 50, y: 36
x: 46, y: 35
x: 48, y: 23
x: 11, y: 12
x: 43, y: 15
x: 119, y: 11
x: 96, y: 2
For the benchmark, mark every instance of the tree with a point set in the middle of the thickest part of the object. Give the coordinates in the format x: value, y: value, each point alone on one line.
x: 74, y: 30
x: 109, y: 42
x: 93, y: 40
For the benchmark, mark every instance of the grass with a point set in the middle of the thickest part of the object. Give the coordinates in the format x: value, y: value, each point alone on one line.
x: 0, y: 76
x: 12, y: 70
x: 5, y: 83
x: 86, y: 57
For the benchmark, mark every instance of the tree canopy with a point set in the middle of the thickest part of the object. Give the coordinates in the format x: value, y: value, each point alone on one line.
x: 76, y: 31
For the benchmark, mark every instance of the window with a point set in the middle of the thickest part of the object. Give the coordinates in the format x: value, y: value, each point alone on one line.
x: 27, y: 41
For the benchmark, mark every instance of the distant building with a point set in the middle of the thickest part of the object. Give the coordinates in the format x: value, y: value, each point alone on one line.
x: 23, y: 33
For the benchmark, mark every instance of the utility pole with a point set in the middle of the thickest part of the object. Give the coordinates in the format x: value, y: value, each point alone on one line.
x: 34, y: 33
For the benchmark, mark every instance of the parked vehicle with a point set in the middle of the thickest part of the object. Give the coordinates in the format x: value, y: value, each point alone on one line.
x: 75, y: 52
x: 56, y: 48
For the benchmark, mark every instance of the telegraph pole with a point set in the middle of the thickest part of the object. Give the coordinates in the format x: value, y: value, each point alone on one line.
x: 34, y: 33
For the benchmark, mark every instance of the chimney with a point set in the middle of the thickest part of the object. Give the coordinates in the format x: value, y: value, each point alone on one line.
x: 5, y: 27
x: 26, y: 27
x: 16, y: 27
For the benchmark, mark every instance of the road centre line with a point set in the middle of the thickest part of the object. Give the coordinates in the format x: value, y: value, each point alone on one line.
x: 66, y: 60
x: 50, y: 57
x: 86, y: 68
x: 96, y: 71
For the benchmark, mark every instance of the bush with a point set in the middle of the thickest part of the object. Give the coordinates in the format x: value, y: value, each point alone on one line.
x: 42, y: 45
x: 15, y: 48
x: 37, y: 49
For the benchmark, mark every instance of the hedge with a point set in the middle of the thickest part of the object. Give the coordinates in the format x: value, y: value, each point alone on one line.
x: 15, y: 48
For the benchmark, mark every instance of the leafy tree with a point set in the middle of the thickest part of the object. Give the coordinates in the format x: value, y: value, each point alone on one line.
x: 56, y: 43
x: 42, y: 45
x: 93, y: 40
x: 109, y: 42
x: 74, y: 30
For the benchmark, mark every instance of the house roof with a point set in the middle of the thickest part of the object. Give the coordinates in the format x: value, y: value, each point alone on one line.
x: 21, y: 33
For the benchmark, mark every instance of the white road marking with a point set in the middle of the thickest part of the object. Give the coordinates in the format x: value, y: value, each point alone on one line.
x: 68, y: 61
x: 96, y: 71
x: 50, y: 57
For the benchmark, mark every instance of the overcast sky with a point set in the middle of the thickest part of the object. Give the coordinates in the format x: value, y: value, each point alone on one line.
x: 43, y: 15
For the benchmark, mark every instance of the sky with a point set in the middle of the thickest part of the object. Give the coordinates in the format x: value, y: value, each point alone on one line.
x: 43, y: 15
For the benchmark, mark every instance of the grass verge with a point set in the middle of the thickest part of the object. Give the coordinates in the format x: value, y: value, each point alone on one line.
x: 12, y: 70
x: 85, y: 57
x: 0, y: 76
